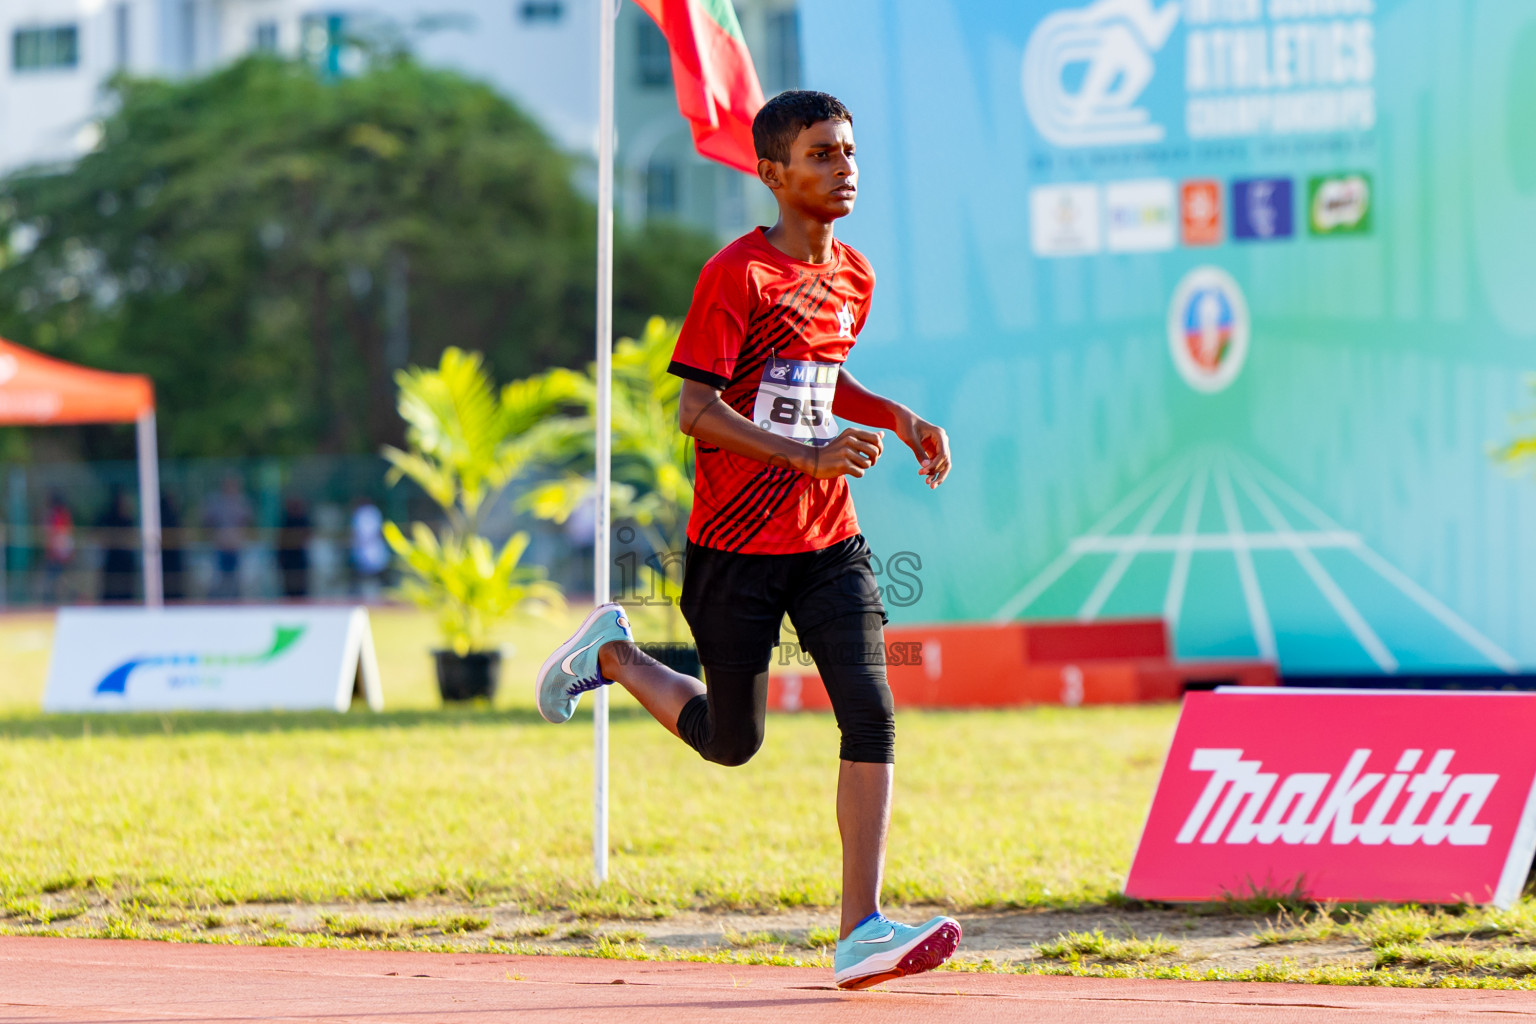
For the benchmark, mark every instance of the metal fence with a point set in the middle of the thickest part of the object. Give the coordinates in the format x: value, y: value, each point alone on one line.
x: 233, y: 530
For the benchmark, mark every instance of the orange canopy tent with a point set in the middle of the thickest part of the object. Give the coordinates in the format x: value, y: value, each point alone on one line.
x: 38, y: 391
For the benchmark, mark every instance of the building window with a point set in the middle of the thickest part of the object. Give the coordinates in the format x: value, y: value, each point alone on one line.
x: 660, y: 188
x: 328, y: 45
x: 654, y: 61
x: 783, y: 50
x: 730, y: 201
x: 188, y: 39
x: 45, y: 49
x: 540, y: 12
x: 266, y: 37
x: 122, y: 41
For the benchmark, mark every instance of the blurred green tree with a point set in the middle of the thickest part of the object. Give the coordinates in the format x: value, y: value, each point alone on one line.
x: 651, y: 485
x: 271, y: 247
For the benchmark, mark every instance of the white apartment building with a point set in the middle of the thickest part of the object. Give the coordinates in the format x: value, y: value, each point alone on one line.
x: 56, y: 53
x: 540, y: 53
x: 659, y: 174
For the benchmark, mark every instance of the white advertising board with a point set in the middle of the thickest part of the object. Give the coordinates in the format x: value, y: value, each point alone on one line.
x: 224, y: 659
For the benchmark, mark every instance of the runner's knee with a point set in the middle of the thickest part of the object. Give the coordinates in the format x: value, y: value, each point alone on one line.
x: 850, y: 655
x: 727, y: 725
x: 734, y: 749
x: 868, y: 725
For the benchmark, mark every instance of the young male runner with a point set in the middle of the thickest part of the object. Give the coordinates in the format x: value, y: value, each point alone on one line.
x: 772, y: 529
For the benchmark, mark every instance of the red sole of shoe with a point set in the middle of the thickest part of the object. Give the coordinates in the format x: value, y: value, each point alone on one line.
x: 930, y: 953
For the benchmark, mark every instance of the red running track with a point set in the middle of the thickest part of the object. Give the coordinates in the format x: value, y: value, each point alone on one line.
x: 84, y: 980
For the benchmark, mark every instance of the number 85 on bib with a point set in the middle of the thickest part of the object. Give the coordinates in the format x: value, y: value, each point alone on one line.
x: 794, y: 400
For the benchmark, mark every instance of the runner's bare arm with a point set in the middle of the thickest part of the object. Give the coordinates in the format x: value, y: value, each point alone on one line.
x: 928, y: 441
x: 701, y: 414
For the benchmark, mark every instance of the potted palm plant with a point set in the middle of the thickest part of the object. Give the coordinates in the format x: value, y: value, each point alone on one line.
x: 651, y: 490
x: 465, y: 442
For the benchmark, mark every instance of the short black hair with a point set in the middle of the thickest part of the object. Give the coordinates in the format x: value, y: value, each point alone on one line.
x: 784, y: 117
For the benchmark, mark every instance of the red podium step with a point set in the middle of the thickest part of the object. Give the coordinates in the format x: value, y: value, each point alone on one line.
x: 970, y: 665
x: 1094, y: 641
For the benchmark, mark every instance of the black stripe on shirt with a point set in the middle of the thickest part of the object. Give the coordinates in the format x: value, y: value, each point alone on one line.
x: 687, y: 372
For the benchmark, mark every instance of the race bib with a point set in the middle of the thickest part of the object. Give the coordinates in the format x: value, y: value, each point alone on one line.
x: 794, y: 400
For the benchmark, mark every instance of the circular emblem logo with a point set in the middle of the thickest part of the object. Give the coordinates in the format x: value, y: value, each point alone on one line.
x: 1208, y: 329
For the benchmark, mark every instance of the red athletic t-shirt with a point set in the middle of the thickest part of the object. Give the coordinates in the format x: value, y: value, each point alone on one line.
x: 771, y: 332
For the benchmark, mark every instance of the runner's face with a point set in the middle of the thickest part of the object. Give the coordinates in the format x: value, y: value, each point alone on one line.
x: 821, y: 177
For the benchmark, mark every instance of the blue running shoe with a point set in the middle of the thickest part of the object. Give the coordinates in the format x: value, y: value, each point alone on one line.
x: 880, y: 950
x: 572, y: 670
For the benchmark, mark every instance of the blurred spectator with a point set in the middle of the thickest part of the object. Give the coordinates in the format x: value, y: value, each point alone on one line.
x: 228, y: 515
x: 173, y: 560
x: 120, y: 561
x: 58, y: 548
x: 293, y: 547
x: 370, y: 555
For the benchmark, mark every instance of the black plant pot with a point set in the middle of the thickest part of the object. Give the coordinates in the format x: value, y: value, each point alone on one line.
x: 467, y: 676
x: 678, y: 657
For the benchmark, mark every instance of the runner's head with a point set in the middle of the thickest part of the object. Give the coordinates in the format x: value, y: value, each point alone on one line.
x: 804, y: 143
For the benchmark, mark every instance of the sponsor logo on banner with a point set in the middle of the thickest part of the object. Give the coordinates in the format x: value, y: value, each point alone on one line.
x: 205, y: 669
x: 1261, y: 209
x: 1064, y: 220
x: 1139, y: 215
x: 231, y: 659
x: 1208, y: 329
x: 1390, y: 802
x: 1339, y: 204
x: 1337, y: 808
x: 1201, y: 212
x: 1251, y: 68
x: 1086, y: 68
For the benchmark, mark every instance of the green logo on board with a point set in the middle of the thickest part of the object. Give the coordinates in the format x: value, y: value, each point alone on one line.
x: 1339, y: 204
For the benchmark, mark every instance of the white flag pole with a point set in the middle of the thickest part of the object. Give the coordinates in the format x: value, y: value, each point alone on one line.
x: 149, y: 510
x: 608, y: 12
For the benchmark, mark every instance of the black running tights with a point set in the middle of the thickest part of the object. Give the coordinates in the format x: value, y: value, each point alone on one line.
x: 726, y: 724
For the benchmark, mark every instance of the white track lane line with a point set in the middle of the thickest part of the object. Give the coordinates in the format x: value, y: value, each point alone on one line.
x: 1258, y: 615
x: 1314, y: 540
x: 1032, y: 590
x: 1500, y: 658
x: 1364, y: 635
x: 1133, y: 546
x: 1173, y: 601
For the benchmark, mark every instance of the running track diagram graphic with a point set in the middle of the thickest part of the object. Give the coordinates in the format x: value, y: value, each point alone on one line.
x: 1238, y: 562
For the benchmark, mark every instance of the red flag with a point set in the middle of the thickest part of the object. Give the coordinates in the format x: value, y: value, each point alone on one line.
x: 717, y: 88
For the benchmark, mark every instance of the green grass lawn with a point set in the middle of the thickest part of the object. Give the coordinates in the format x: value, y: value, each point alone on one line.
x: 994, y: 808
x: 1018, y: 807
x: 166, y: 825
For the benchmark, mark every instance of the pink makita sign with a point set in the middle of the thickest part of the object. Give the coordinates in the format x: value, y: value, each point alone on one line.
x: 1365, y: 795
